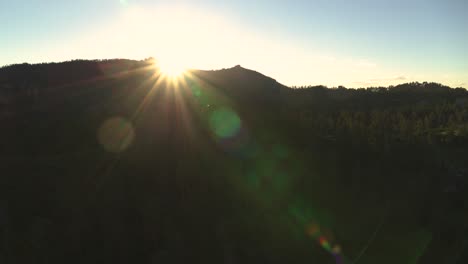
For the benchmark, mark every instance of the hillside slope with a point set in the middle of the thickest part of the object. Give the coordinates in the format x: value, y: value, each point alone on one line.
x: 108, y: 161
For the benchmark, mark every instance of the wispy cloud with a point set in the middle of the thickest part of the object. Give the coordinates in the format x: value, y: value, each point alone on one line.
x: 365, y: 64
x: 362, y: 84
x: 379, y: 81
x: 398, y: 78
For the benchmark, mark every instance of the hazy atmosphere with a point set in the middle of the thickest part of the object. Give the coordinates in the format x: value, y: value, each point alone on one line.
x: 330, y: 42
x: 235, y: 132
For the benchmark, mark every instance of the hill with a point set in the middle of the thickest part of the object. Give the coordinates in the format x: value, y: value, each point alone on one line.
x: 108, y: 161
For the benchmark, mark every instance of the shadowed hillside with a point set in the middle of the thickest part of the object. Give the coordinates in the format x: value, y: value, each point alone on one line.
x: 110, y: 161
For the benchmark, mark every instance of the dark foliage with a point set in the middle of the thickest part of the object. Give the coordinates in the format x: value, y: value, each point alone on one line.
x: 227, y: 166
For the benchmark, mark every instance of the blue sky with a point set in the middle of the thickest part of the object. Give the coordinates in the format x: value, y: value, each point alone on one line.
x: 332, y: 42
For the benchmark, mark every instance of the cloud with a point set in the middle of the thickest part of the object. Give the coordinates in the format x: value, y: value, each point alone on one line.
x: 378, y: 81
x: 398, y: 78
x: 463, y: 84
x: 362, y: 84
x: 365, y: 64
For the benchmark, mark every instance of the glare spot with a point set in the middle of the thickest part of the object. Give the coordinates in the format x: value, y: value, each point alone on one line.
x: 197, y: 92
x: 324, y: 243
x: 336, y: 249
x: 225, y: 123
x: 116, y: 134
x: 313, y: 229
x: 171, y: 67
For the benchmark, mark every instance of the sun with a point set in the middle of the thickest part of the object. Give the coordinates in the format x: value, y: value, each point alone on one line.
x: 171, y: 68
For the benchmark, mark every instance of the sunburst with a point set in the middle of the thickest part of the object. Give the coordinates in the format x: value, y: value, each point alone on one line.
x: 171, y: 68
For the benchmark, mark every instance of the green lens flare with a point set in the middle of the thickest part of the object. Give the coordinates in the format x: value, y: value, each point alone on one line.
x: 116, y: 134
x: 225, y: 123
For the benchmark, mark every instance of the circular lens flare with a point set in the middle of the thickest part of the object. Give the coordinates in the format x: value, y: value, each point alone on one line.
x: 116, y: 134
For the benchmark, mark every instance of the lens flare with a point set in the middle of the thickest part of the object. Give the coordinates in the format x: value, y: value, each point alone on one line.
x: 324, y: 237
x: 313, y: 230
x: 336, y: 249
x: 225, y: 123
x: 324, y: 243
x: 116, y: 134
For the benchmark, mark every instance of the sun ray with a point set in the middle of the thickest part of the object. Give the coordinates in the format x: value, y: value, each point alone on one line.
x: 157, y: 81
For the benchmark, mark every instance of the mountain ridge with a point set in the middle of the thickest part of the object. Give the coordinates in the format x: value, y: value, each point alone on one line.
x: 109, y: 66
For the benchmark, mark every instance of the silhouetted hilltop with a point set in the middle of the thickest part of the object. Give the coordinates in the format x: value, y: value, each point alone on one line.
x: 20, y: 76
x: 238, y: 82
x: 26, y: 80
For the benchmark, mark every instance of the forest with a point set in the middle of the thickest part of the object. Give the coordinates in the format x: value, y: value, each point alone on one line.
x: 109, y: 161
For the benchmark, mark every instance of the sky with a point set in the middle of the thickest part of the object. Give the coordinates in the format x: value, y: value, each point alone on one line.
x: 358, y: 43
